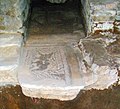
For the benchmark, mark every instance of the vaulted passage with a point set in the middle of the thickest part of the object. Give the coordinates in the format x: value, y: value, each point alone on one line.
x: 52, y: 18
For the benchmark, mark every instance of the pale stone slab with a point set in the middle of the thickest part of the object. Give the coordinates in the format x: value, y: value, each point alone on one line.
x: 9, y: 51
x: 10, y: 45
x: 65, y: 94
x: 60, y: 72
x: 52, y: 72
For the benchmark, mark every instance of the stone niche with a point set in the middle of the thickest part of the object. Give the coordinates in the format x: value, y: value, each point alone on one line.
x: 100, y: 17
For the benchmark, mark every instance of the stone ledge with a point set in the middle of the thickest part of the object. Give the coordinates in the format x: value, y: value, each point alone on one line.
x: 10, y: 45
x: 8, y: 71
x: 63, y: 94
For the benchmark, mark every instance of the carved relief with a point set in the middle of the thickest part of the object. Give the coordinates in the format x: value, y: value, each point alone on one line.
x: 47, y: 62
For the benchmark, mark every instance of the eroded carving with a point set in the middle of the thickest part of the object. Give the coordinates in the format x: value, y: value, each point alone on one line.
x: 47, y: 62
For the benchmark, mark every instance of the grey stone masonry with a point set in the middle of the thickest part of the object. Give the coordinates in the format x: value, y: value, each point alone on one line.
x: 13, y: 14
x: 13, y: 18
x: 102, y: 16
x: 10, y: 45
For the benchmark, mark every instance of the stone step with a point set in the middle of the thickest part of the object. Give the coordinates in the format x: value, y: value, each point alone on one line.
x: 55, y: 39
x: 53, y: 72
x: 10, y: 45
x: 8, y: 71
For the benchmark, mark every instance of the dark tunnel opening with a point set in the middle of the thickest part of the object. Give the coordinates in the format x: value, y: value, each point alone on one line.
x: 56, y: 18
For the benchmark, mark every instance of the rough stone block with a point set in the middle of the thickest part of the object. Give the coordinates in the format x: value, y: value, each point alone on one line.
x: 98, y: 61
x: 10, y: 45
x: 12, y: 7
x: 50, y: 72
x: 13, y: 13
x: 9, y: 51
x: 103, y: 4
x: 102, y: 27
x: 8, y: 71
x: 102, y: 15
x: 107, y: 15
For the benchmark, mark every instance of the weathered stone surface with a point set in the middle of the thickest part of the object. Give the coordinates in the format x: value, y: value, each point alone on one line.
x: 12, y: 7
x: 94, y: 67
x: 100, y: 16
x: 98, y: 61
x: 114, y: 50
x: 103, y: 15
x: 8, y: 71
x: 10, y: 45
x: 13, y: 14
x: 48, y: 73
x: 60, y: 72
x: 9, y: 51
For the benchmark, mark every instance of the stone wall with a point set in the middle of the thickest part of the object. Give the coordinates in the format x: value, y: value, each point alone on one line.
x: 102, y: 16
x: 13, y: 17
